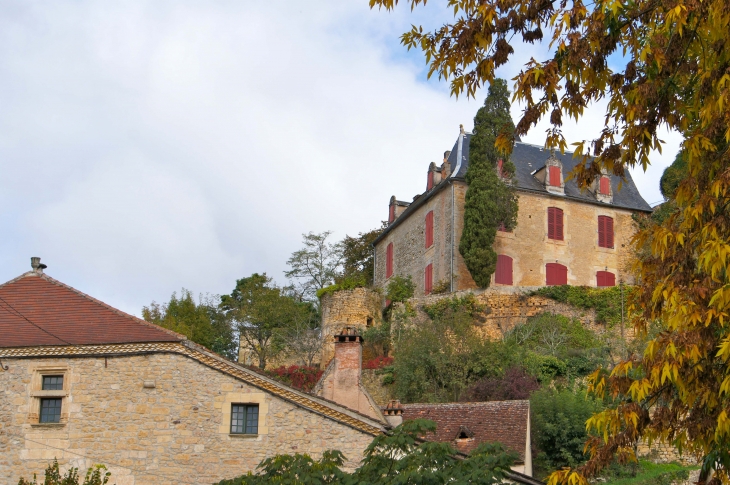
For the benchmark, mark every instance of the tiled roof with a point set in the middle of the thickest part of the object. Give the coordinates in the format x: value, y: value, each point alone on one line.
x: 37, y: 310
x: 494, y: 421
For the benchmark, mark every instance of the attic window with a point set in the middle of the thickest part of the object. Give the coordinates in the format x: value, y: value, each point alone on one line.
x: 554, y: 176
x: 464, y: 433
x: 605, y: 186
x: 462, y: 436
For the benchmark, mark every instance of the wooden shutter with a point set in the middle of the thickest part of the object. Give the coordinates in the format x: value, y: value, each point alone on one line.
x: 503, y: 275
x: 555, y: 223
x: 554, y: 176
x: 556, y: 274
x: 605, y: 186
x: 429, y: 229
x: 605, y: 231
x: 391, y: 213
x: 389, y: 261
x: 429, y: 181
x: 605, y: 278
x: 500, y: 164
x: 428, y: 283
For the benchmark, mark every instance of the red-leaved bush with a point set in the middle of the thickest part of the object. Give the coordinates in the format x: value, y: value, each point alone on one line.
x: 378, y: 362
x: 515, y: 384
x: 300, y: 377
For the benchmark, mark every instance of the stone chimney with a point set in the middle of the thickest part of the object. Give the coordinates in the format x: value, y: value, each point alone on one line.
x: 35, y: 263
x: 341, y: 381
x: 445, y: 165
x: 393, y: 413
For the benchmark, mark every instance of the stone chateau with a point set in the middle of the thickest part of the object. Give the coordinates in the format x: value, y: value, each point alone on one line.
x: 563, y: 235
x: 85, y: 383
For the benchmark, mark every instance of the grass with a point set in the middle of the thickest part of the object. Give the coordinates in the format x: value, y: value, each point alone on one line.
x: 648, y: 474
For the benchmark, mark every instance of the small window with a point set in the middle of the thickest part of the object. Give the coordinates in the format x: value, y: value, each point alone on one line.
x: 429, y: 229
x: 244, y: 418
x: 605, y: 278
x: 556, y: 274
x: 555, y: 223
x: 389, y: 261
x: 52, y: 383
x: 503, y: 274
x: 50, y: 410
x: 555, y: 176
x: 605, y: 186
x: 428, y: 283
x: 605, y: 231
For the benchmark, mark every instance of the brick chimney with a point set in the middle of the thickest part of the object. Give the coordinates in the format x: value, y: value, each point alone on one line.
x: 393, y: 413
x: 341, y: 381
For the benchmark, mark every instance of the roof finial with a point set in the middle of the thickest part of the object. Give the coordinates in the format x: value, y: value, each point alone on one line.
x: 461, y: 130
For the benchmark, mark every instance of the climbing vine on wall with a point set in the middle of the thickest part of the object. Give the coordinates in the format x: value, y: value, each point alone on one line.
x: 490, y: 202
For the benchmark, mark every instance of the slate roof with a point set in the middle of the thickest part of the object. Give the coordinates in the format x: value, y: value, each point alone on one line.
x: 37, y: 310
x: 529, y: 158
x: 494, y: 421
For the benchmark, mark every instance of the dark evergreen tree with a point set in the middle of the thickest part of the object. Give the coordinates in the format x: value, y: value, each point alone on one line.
x: 490, y: 202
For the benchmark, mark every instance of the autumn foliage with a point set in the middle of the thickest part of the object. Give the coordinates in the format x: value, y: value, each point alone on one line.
x: 300, y: 377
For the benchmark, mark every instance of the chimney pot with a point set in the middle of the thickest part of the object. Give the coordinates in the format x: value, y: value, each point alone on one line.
x: 35, y: 263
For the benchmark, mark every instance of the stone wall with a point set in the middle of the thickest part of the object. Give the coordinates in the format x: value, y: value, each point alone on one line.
x: 373, y: 382
x: 528, y: 245
x: 176, y: 432
x: 359, y: 308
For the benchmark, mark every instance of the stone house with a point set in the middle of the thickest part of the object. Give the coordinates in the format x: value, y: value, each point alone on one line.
x: 85, y: 383
x: 564, y: 235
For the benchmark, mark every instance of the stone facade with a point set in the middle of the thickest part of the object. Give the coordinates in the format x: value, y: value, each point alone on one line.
x: 527, y: 245
x: 153, y: 419
x: 358, y: 309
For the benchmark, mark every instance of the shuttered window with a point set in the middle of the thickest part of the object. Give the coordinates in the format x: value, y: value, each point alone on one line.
x: 500, y: 165
x: 555, y: 223
x: 503, y: 275
x: 605, y: 186
x: 429, y: 181
x: 391, y: 213
x: 428, y: 281
x: 556, y: 274
x: 605, y: 278
x: 605, y: 231
x: 389, y: 261
x: 555, y: 176
x: 429, y: 229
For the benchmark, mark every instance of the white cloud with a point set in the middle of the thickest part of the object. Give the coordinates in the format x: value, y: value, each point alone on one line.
x: 146, y: 146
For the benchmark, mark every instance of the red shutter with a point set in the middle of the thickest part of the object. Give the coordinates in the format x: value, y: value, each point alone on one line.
x: 503, y: 275
x: 556, y: 274
x: 389, y: 261
x: 555, y: 223
x: 605, y: 232
x: 555, y: 176
x: 605, y: 278
x: 605, y: 186
x: 500, y: 164
x: 429, y: 229
x: 428, y: 283
x: 391, y: 213
x: 429, y: 181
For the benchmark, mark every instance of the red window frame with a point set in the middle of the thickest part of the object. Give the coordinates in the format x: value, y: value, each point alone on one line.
x: 429, y: 229
x: 605, y: 278
x: 605, y: 232
x: 428, y: 279
x: 554, y: 173
x: 389, y: 260
x: 503, y: 274
x: 605, y: 186
x: 556, y: 274
x: 555, y: 223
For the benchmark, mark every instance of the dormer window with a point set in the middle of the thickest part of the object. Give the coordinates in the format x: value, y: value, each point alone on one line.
x: 554, y: 176
x: 429, y: 181
x: 605, y: 186
x: 391, y: 213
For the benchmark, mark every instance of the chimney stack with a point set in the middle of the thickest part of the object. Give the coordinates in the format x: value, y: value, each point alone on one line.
x: 394, y: 413
x: 35, y: 263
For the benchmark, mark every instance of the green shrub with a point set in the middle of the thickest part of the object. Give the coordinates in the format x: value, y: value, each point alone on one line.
x: 94, y: 476
x: 400, y: 289
x: 349, y: 283
x: 558, y: 419
x: 605, y: 301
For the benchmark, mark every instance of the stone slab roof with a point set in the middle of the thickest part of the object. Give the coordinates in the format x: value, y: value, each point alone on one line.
x: 35, y: 310
x: 481, y: 422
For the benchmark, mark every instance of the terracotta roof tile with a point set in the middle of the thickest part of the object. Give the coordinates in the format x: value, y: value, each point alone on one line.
x: 37, y: 310
x: 495, y: 421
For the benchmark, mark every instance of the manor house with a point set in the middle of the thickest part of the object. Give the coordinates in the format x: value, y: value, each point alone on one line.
x: 564, y: 235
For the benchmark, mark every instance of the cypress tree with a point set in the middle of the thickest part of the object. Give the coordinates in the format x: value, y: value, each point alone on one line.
x: 489, y: 200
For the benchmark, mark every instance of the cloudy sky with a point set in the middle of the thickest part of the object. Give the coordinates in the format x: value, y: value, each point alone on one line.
x: 147, y: 146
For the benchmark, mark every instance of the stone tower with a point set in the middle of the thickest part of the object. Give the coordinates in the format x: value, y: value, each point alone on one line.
x: 358, y: 308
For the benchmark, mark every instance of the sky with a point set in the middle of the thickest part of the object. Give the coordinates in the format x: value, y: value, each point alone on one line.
x: 149, y: 146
